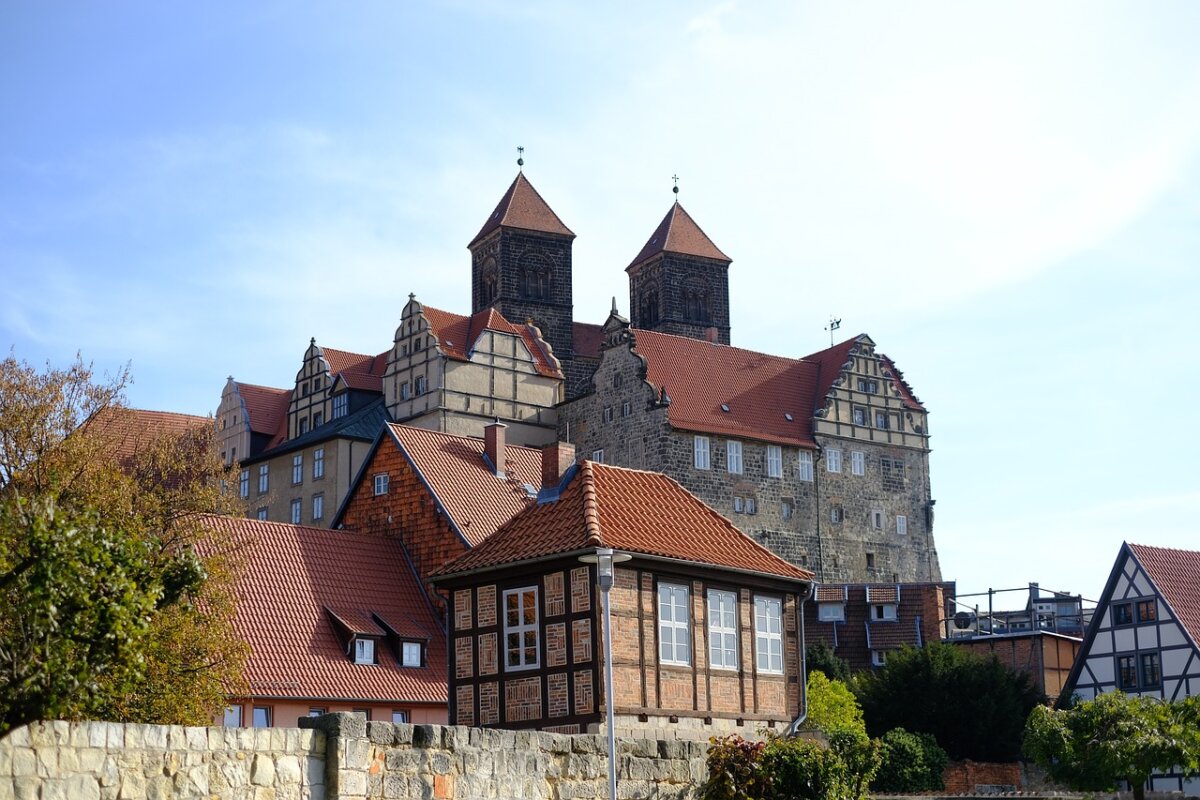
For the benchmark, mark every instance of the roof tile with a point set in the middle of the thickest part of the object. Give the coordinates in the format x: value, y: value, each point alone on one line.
x: 457, y: 335
x: 1176, y: 573
x: 679, y: 233
x: 522, y: 207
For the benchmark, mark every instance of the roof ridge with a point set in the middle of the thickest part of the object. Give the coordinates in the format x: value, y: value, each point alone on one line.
x: 244, y: 384
x: 638, y: 331
x: 591, y: 506
x: 459, y: 436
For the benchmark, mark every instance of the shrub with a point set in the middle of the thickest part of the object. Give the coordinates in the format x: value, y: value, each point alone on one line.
x: 832, y: 707
x: 910, y: 762
x: 819, y: 657
x: 791, y: 769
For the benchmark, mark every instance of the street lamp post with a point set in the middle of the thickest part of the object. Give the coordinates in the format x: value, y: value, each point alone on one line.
x: 604, y: 558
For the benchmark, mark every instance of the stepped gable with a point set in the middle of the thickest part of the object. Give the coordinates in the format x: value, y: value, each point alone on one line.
x: 1176, y: 573
x: 522, y: 207
x: 758, y: 389
x: 629, y: 510
x: 298, y: 580
x: 464, y: 484
x: 832, y: 360
x: 456, y: 336
x: 679, y: 233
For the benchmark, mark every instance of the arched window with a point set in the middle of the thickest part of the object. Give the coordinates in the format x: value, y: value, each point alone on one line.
x: 650, y: 308
x: 695, y: 305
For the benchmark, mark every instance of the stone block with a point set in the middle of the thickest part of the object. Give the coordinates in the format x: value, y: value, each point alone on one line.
x: 196, y: 737
x: 669, y: 748
x: 402, y: 734
x: 133, y: 786
x: 160, y: 787
x: 263, y: 771
x: 425, y: 736
x: 589, y: 743
x: 380, y: 732
x: 18, y: 737
x: 352, y: 783
x: 6, y: 754
x: 47, y: 761
x: 26, y: 788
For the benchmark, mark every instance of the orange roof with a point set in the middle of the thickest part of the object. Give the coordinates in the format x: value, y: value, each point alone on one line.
x: 629, y: 510
x: 679, y: 233
x: 587, y: 339
x: 357, y: 370
x: 1176, y: 573
x: 456, y: 336
x: 127, y: 430
x: 266, y: 407
x: 295, y: 579
x: 522, y: 207
x: 453, y: 467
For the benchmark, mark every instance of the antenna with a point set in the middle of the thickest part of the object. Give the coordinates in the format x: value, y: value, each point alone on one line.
x: 520, y: 158
x: 834, y: 324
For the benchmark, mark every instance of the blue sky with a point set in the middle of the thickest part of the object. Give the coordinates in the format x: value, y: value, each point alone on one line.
x: 1005, y: 197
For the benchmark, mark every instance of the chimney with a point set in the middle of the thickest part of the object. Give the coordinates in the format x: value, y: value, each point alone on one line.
x: 493, y: 446
x: 711, y: 335
x: 557, y: 458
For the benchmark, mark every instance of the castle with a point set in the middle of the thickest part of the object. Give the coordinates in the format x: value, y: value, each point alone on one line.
x: 824, y: 459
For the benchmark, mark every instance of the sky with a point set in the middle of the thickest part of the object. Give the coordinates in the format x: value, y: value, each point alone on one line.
x: 1005, y: 197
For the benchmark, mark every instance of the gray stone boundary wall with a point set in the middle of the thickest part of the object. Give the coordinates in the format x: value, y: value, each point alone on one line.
x: 335, y: 757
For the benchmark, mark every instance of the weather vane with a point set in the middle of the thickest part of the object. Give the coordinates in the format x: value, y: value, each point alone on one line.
x: 520, y: 157
x: 834, y: 324
x: 675, y: 188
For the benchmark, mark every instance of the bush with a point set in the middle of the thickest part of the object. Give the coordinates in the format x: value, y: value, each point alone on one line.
x: 910, y: 762
x: 832, y: 707
x: 819, y: 657
x: 791, y: 769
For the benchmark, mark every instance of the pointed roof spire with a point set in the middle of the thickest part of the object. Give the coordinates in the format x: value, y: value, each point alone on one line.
x: 679, y: 233
x: 522, y: 207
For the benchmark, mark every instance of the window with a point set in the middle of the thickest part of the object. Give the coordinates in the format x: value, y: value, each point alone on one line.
x: 626, y: 409
x: 297, y: 468
x: 768, y: 634
x: 833, y: 460
x: 868, y: 386
x: 364, y: 651
x: 224, y: 460
x: 297, y: 505
x: 787, y: 509
x: 836, y: 515
x: 318, y: 511
x: 598, y: 456
x: 521, y: 628
x: 1146, y: 611
x: 883, y: 612
x: 405, y: 390
x: 901, y: 524
x: 1151, y: 672
x: 262, y: 717
x: 1126, y: 672
x: 870, y: 561
x: 261, y: 514
x: 264, y: 472
x: 318, y: 463
x: 878, y: 658
x: 700, y: 452
x: 831, y: 612
x: 304, y: 389
x: 774, y: 461
x: 722, y: 629
x: 381, y: 484
x: 1122, y: 614
x: 737, y: 504
x: 858, y: 462
x: 733, y: 457
x: 318, y: 419
x: 881, y: 419
x: 805, y: 465
x: 316, y: 711
x: 304, y: 426
x: 399, y: 717
x: 233, y: 716
x: 419, y: 385
x: 341, y: 405
x: 232, y: 455
x: 751, y: 505
x: 877, y: 520
x: 860, y: 415
x: 617, y: 380
x: 674, y: 636
x: 316, y: 384
x: 608, y: 414
x: 244, y: 483
x: 410, y: 654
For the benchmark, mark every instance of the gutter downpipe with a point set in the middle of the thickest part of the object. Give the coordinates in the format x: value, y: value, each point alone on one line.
x: 798, y: 721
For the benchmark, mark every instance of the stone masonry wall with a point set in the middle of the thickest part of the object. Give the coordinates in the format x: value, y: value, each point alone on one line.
x: 335, y: 757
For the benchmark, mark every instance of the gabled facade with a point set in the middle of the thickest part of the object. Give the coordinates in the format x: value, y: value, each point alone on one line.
x: 334, y: 622
x: 1144, y: 635
x: 706, y: 623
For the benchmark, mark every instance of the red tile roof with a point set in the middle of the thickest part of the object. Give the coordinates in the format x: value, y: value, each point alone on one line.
x: 587, y: 339
x: 128, y: 430
x: 357, y: 370
x: 294, y: 577
x: 1176, y: 573
x: 629, y: 510
x: 522, y: 207
x: 679, y: 233
x: 266, y: 407
x: 456, y: 336
x: 454, y: 469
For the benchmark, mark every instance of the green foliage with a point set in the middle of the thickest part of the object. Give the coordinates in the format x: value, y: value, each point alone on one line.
x: 832, y: 706
x: 910, y: 762
x: 819, y: 657
x: 791, y: 769
x: 1115, y: 737
x: 973, y: 705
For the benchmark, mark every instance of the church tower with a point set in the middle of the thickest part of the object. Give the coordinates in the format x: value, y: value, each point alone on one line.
x: 521, y: 266
x: 679, y: 282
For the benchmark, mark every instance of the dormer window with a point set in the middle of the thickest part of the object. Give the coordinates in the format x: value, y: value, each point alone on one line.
x: 364, y: 651
x: 883, y: 612
x: 341, y: 405
x: 831, y: 612
x: 410, y: 654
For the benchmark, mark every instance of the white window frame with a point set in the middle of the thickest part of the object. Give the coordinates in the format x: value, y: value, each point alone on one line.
x: 297, y: 510
x: 318, y: 507
x: 877, y: 519
x: 598, y: 456
x: 410, y: 654
x: 674, y: 617
x: 318, y: 463
x: 884, y: 612
x: 381, y: 482
x: 399, y: 717
x: 901, y: 525
x: 837, y: 515
x: 364, y: 651
x: 804, y: 464
x: 244, y: 483
x: 261, y: 514
x: 722, y: 629
x: 733, y: 457
x: 858, y: 462
x: 774, y: 461
x: 264, y: 478
x: 768, y: 643
x: 521, y: 629
x: 878, y: 658
x: 831, y: 612
x: 833, y: 459
x: 700, y: 453
x: 233, y: 716
x: 297, y: 469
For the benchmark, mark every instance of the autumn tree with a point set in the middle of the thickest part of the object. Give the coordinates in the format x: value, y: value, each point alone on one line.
x: 116, y: 596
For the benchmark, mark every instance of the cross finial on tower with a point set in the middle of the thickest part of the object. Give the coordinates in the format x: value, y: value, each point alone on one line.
x: 675, y: 188
x: 520, y: 158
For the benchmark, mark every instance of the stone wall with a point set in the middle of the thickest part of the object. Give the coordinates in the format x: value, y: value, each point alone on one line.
x: 335, y: 757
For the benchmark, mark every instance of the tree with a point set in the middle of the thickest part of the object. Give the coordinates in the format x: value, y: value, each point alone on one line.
x: 973, y: 705
x: 77, y: 489
x: 832, y: 706
x: 819, y: 657
x: 1115, y: 737
x: 910, y: 762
